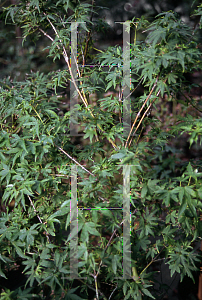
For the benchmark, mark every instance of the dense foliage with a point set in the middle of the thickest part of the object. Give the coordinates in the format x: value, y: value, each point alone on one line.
x: 39, y: 154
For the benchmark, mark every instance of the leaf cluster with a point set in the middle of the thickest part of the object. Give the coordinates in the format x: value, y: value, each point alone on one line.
x: 38, y: 155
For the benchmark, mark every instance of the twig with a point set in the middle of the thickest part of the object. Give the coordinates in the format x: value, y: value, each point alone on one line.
x: 96, y: 287
x: 47, y: 35
x: 148, y: 108
x: 113, y: 291
x: 191, y: 101
x: 141, y: 110
x: 135, y: 88
x: 32, y: 204
x: 83, y: 98
x: 153, y: 259
x: 74, y: 160
x: 67, y: 61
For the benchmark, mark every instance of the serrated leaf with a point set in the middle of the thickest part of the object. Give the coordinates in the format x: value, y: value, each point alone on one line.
x: 182, y: 208
x: 147, y: 293
x: 144, y: 191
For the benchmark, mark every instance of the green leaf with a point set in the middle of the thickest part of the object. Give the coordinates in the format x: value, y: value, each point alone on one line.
x: 190, y: 203
x: 118, y: 155
x: 182, y: 208
x: 144, y: 191
x: 147, y: 293
x: 19, y: 251
x: 2, y: 274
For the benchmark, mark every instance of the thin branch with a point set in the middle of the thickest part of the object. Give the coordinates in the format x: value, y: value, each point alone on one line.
x: 96, y: 287
x: 153, y: 259
x: 74, y: 160
x: 62, y: 21
x: 67, y: 61
x: 146, y: 112
x: 84, y: 96
x: 135, y: 87
x: 32, y: 204
x: 74, y: 82
x: 47, y: 35
x: 191, y: 101
x: 141, y: 110
x: 113, y: 291
x: 148, y: 108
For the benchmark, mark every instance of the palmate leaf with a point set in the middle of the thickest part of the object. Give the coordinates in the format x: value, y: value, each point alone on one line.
x: 157, y: 34
x: 142, y: 243
x: 174, y: 268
